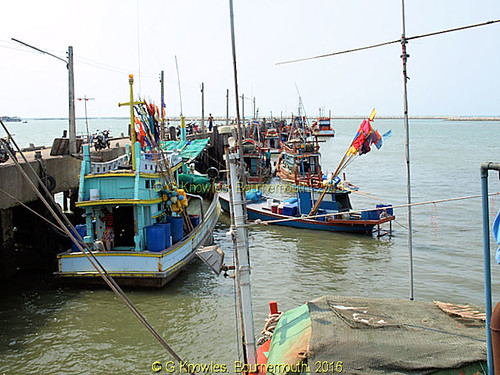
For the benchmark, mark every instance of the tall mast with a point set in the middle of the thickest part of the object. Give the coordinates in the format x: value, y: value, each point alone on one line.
x: 405, y: 56
x: 240, y: 230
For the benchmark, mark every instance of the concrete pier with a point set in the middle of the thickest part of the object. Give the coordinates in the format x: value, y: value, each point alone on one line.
x: 26, y: 240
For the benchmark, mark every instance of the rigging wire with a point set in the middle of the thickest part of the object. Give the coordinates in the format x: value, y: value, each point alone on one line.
x: 79, y: 242
x: 260, y: 222
x: 389, y: 42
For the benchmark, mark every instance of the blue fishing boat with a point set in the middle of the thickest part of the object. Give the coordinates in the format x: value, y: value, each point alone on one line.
x: 333, y: 214
x: 140, y: 225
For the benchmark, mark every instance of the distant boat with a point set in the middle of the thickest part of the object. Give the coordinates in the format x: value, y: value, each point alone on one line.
x: 257, y: 160
x: 10, y: 118
x: 323, y: 127
x: 299, y: 163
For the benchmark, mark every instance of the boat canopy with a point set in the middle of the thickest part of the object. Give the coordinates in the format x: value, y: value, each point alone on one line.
x: 188, y: 150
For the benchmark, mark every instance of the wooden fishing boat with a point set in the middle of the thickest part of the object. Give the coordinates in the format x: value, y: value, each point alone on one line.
x: 139, y: 224
x: 299, y: 163
x: 152, y: 241
x: 322, y: 127
x: 334, y: 213
x: 257, y: 160
x: 272, y: 140
x: 335, y: 334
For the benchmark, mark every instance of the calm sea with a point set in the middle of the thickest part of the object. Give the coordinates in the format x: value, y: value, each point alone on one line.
x: 52, y: 330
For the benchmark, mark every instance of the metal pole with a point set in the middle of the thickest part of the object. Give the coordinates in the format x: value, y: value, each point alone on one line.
x: 241, y: 240
x: 162, y: 105
x: 86, y: 118
x: 202, y: 108
x: 227, y: 107
x: 179, y: 83
x: 71, y: 89
x: 243, y: 109
x: 486, y: 259
x: 235, y: 71
x: 132, y: 119
x: 405, y: 56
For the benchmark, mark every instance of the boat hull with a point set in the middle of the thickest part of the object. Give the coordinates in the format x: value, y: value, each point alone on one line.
x: 256, y: 212
x: 139, y: 268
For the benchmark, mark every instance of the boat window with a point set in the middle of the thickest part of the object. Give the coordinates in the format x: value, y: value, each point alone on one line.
x: 343, y: 202
x: 147, y: 184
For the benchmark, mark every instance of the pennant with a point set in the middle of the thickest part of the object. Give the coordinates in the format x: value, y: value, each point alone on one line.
x: 387, y: 135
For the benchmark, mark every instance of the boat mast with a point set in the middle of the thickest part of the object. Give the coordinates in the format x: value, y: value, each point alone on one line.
x: 240, y: 230
x: 405, y: 56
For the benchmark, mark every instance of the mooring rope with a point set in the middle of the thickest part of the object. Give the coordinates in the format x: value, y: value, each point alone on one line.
x: 81, y: 245
x: 295, y: 218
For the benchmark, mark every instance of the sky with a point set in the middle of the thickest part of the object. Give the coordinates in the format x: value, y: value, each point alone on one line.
x: 455, y: 74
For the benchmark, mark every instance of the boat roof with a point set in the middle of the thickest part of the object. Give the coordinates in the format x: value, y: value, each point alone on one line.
x: 188, y: 150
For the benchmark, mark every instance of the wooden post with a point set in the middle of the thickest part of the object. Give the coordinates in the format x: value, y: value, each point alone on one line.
x: 71, y: 90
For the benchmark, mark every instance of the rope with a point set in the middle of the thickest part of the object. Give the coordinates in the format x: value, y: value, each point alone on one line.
x: 387, y: 43
x: 258, y: 221
x: 81, y: 245
x: 267, y: 332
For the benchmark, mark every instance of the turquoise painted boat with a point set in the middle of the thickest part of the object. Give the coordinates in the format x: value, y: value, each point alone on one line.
x: 152, y: 242
x: 360, y: 335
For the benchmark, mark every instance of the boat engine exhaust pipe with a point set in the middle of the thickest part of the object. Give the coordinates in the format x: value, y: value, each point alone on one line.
x: 485, y: 167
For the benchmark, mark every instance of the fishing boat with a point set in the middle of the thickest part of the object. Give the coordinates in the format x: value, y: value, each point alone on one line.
x: 299, y: 162
x: 334, y: 212
x: 272, y: 140
x: 257, y: 161
x: 322, y: 127
x: 337, y: 334
x: 140, y: 225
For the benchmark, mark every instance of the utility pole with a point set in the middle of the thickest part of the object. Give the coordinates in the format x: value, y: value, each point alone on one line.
x: 71, y: 90
x: 71, y: 93
x: 227, y: 107
x: 162, y: 105
x: 202, y: 108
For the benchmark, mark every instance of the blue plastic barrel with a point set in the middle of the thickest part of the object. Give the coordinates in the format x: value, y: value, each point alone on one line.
x: 82, y: 231
x: 177, y: 228
x: 195, y: 220
x: 155, y: 238
x: 166, y: 231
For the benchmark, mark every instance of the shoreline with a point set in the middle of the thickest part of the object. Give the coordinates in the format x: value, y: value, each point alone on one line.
x: 350, y: 117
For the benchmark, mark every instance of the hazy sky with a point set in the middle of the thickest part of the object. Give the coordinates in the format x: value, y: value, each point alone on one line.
x: 451, y: 74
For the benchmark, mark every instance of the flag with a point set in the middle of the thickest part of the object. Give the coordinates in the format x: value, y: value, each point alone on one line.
x: 387, y: 134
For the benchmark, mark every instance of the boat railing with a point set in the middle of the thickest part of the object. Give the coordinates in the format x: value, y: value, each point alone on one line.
x: 105, y: 167
x: 151, y: 166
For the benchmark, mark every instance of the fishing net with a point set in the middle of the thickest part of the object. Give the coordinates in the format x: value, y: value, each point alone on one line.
x: 390, y: 336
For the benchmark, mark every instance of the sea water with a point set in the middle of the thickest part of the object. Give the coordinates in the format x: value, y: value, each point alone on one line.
x: 48, y: 329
